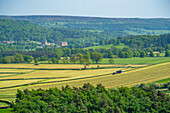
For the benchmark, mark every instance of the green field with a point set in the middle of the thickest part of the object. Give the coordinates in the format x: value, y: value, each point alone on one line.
x: 121, y: 46
x: 163, y: 80
x: 137, y: 60
x: 124, y: 61
x: 9, y: 110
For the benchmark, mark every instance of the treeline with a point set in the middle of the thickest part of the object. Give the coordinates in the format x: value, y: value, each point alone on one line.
x: 74, y: 58
x: 17, y: 58
x: 74, y: 55
x: 90, y: 99
x: 142, y: 42
x: 156, y: 42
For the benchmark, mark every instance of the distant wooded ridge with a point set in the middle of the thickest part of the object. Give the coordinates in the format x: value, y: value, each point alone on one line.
x: 95, y: 28
x: 97, y: 23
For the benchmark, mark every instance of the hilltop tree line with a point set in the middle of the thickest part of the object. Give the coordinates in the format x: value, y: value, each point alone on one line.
x: 74, y: 58
x: 74, y: 55
x: 90, y: 99
x: 96, y: 23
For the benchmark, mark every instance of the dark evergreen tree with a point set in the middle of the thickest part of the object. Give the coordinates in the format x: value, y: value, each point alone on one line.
x: 167, y: 53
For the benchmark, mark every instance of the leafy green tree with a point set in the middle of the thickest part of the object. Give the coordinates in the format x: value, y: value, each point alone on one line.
x: 142, y: 54
x: 136, y: 54
x: 82, y: 60
x: 79, y: 56
x: 126, y: 54
x: 111, y: 61
x: 151, y: 53
x: 96, y: 57
x: 87, y: 56
x: 118, y: 42
x: 73, y: 58
x: 112, y: 41
x: 28, y: 58
x: 36, y: 60
x: 43, y: 58
x: 110, y: 54
x: 64, y: 60
x: 19, y: 58
x: 86, y: 63
x: 167, y: 53
x: 121, y: 54
x: 6, y: 60
x: 55, y: 60
x: 101, y: 42
x: 130, y: 53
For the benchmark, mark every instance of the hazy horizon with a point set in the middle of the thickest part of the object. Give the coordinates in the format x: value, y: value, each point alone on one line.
x: 87, y: 8
x: 90, y: 16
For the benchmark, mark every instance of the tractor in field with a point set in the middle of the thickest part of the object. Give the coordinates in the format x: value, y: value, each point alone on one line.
x: 113, y: 73
x: 120, y: 71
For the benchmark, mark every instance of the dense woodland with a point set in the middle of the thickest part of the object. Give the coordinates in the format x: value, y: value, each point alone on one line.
x: 88, y: 98
x: 96, y: 23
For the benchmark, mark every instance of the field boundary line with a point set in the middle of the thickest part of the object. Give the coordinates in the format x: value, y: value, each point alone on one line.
x: 18, y: 74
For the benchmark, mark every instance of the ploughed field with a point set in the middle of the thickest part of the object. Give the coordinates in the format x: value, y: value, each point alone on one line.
x: 21, y: 76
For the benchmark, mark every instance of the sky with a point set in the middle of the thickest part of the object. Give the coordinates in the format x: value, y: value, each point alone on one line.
x: 92, y: 8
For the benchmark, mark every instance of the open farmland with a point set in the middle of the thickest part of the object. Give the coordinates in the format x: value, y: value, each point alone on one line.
x: 58, y: 78
x: 136, y: 60
x: 14, y: 70
x: 129, y: 78
x: 53, y: 66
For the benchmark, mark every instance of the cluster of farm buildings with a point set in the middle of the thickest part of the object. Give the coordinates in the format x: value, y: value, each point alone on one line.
x: 45, y: 43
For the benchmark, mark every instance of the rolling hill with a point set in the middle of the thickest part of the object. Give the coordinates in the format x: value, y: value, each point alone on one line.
x: 124, y: 26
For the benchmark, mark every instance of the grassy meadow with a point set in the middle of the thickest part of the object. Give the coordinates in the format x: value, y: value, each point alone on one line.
x: 123, y: 61
x: 137, y: 60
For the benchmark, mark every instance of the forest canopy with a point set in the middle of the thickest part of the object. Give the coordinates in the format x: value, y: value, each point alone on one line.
x: 88, y: 98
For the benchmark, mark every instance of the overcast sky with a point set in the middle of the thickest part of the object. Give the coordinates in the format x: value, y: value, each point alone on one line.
x: 96, y: 8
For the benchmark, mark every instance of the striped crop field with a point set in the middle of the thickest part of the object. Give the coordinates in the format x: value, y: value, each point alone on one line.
x: 14, y: 70
x: 129, y: 78
x: 2, y: 75
x: 33, y: 79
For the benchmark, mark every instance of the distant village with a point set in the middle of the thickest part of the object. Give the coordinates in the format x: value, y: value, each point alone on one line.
x: 43, y: 44
x: 9, y: 42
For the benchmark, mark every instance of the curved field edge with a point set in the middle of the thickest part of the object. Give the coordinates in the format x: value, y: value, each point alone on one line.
x: 142, y: 75
x: 129, y: 78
